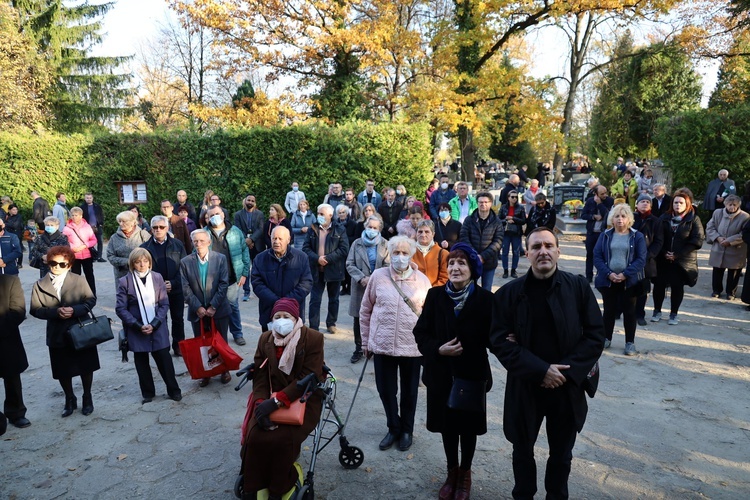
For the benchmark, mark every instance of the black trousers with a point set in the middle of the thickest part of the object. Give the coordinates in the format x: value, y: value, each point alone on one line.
x: 733, y: 280
x: 222, y: 324
x: 177, y: 313
x: 554, y: 406
x: 13, y: 406
x: 99, y: 242
x: 87, y: 265
x: 387, y: 370
x: 357, y: 334
x: 617, y: 299
x: 673, y: 277
x: 166, y: 370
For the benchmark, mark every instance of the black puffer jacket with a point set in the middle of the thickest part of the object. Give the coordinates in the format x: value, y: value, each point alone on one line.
x: 487, y: 243
x: 336, y: 250
x: 651, y: 229
x: 684, y: 242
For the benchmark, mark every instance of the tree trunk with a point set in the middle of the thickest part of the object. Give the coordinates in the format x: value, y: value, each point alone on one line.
x: 466, y: 142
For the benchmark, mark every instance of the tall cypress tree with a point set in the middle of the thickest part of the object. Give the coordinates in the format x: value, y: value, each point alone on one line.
x: 88, y: 90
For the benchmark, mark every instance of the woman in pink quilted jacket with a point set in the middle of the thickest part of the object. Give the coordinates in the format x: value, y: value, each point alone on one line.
x: 81, y: 238
x: 390, y: 308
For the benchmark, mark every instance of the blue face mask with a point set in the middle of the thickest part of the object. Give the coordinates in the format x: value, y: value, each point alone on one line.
x: 444, y: 214
x: 322, y: 220
x: 215, y: 220
x: 371, y: 233
x: 50, y: 229
x: 295, y: 188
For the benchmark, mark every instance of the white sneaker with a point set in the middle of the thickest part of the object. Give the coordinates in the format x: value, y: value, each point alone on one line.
x: 656, y: 317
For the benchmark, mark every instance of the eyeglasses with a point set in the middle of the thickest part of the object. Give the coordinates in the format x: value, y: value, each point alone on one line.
x: 54, y: 263
x: 158, y: 227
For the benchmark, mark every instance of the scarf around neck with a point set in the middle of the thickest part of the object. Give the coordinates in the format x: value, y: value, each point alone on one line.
x: 146, y: 297
x: 57, y: 282
x: 459, y: 296
x: 289, y: 343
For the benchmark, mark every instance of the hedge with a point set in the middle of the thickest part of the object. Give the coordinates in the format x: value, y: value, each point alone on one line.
x: 264, y: 161
x: 696, y: 145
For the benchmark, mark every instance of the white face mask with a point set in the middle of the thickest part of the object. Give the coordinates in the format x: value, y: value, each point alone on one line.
x: 400, y: 262
x: 444, y: 186
x: 283, y: 326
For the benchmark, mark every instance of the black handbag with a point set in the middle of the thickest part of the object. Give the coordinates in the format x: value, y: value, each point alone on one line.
x: 468, y: 395
x: 91, y: 331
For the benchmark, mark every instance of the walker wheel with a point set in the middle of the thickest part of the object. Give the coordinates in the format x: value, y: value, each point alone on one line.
x: 239, y: 486
x: 351, y: 457
x: 306, y: 493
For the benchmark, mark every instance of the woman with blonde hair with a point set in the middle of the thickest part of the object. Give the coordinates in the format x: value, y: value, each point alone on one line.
x: 81, y: 238
x: 127, y: 237
x: 142, y: 305
x: 620, y: 258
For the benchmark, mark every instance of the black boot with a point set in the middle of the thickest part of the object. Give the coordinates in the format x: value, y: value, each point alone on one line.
x: 88, y: 404
x: 71, y: 404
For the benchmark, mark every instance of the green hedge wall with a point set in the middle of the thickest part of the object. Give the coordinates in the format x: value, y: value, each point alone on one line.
x: 696, y: 145
x: 264, y: 161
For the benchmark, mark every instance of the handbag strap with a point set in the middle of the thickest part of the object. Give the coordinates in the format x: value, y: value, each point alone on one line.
x: 78, y: 235
x: 403, y: 296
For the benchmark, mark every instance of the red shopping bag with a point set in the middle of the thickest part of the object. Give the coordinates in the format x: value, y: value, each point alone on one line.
x: 209, y: 354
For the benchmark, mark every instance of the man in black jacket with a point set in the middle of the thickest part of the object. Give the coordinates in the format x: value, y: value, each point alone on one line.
x: 327, y: 247
x: 94, y: 215
x: 548, y: 333
x: 483, y: 230
x: 595, y: 212
x: 166, y: 253
x: 41, y: 209
x: 250, y: 221
x: 661, y: 202
x: 390, y: 211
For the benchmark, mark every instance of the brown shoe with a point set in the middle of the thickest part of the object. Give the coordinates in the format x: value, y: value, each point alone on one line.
x: 449, y: 487
x: 204, y: 382
x: 463, y: 485
x: 226, y: 378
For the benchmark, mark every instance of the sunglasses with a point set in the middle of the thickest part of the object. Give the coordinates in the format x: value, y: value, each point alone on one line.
x: 513, y: 197
x: 158, y: 227
x: 55, y: 263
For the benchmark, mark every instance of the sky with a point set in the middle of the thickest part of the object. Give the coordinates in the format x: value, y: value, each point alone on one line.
x: 131, y: 23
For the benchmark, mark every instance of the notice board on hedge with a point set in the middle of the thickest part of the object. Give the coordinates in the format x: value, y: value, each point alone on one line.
x: 132, y: 192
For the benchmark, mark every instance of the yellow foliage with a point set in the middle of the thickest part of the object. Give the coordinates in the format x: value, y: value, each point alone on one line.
x: 252, y: 112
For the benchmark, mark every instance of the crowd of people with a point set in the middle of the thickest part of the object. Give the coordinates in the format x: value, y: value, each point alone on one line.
x: 419, y: 271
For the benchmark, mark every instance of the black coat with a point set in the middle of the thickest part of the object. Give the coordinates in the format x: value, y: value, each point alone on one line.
x: 684, y: 242
x: 41, y: 210
x: 592, y: 208
x: 12, y: 313
x: 651, y: 229
x: 666, y: 204
x: 450, y: 232
x: 350, y: 225
x: 75, y: 293
x: 336, y: 250
x: 251, y: 224
x: 537, y: 217
x: 269, y: 226
x: 519, y: 219
x: 439, y: 324
x: 169, y: 267
x: 580, y: 334
x: 487, y: 243
x: 390, y: 217
x: 98, y: 212
x: 42, y: 245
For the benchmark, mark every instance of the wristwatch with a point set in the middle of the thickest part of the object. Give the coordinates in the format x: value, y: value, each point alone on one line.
x: 278, y: 403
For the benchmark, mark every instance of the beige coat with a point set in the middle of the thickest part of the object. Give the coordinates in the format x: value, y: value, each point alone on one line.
x: 358, y: 267
x: 729, y: 227
x: 387, y: 322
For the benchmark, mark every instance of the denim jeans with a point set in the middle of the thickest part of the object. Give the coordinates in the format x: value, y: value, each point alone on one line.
x: 513, y: 240
x: 488, y: 276
x: 316, y: 297
x: 235, y: 322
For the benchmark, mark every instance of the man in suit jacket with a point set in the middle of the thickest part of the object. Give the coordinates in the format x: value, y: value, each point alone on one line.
x: 548, y: 333
x: 661, y: 202
x: 205, y: 281
x: 167, y: 254
x: 94, y: 215
x: 12, y: 353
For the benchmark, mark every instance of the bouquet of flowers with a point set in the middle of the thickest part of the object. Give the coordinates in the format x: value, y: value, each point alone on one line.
x: 574, y: 207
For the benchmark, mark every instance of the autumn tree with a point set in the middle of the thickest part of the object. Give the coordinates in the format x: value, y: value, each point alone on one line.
x: 635, y: 92
x: 87, y: 90
x: 24, y: 76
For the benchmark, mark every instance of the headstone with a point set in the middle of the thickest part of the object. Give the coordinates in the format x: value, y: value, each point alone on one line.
x: 561, y: 194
